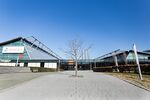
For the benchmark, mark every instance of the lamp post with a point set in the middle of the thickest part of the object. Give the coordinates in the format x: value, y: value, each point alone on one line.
x: 137, y: 61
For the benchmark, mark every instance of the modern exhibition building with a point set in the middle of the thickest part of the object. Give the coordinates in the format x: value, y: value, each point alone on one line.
x: 27, y: 52
x: 30, y: 52
x: 124, y: 60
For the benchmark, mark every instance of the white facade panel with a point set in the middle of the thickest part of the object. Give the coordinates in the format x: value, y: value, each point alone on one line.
x: 46, y: 65
x: 22, y: 64
x: 7, y: 64
x: 34, y: 64
x: 50, y: 65
x: 13, y: 64
x: 54, y: 65
x: 2, y: 64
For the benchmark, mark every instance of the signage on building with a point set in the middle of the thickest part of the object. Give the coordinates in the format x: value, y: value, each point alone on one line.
x: 5, y: 61
x: 13, y: 49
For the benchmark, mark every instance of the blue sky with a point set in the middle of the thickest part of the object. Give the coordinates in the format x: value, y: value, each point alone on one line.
x: 106, y: 24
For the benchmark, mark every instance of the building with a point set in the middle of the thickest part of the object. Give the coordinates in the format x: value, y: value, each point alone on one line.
x: 83, y: 64
x: 27, y: 52
x: 122, y: 57
x: 124, y: 60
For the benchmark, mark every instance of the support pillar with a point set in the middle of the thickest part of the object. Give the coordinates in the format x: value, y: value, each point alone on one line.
x: 137, y: 61
x: 116, y: 63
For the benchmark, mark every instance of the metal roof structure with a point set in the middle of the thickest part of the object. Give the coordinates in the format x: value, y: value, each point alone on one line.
x: 39, y: 45
x: 139, y: 52
x: 116, y: 52
x: 148, y: 51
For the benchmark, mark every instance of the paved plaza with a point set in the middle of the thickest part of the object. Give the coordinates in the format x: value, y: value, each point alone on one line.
x: 63, y: 86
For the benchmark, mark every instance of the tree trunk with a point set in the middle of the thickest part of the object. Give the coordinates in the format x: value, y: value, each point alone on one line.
x: 76, y: 68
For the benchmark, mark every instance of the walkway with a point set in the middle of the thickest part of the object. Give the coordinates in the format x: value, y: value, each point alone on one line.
x: 62, y: 86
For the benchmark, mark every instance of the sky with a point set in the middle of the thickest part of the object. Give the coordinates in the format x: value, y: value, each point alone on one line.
x: 107, y: 25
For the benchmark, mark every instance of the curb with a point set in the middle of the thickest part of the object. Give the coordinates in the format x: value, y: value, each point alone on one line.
x: 132, y: 83
x: 136, y: 85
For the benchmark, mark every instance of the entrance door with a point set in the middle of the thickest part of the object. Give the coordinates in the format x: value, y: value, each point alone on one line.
x: 25, y: 64
x: 42, y: 64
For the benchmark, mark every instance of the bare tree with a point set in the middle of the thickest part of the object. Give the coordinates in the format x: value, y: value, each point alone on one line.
x: 75, y: 52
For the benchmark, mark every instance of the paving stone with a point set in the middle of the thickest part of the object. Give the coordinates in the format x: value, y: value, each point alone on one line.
x: 60, y: 86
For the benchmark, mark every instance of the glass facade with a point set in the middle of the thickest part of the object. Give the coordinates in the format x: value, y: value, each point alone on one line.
x: 31, y: 53
x: 131, y: 56
x: 127, y: 57
x: 9, y: 56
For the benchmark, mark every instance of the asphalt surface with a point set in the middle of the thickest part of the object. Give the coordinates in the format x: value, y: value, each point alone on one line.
x: 63, y: 86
